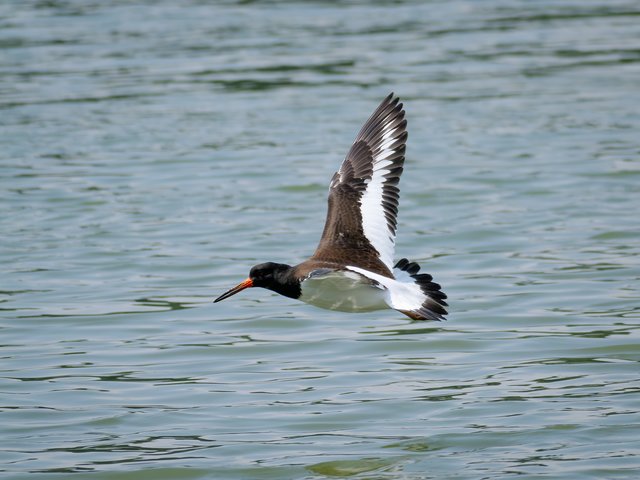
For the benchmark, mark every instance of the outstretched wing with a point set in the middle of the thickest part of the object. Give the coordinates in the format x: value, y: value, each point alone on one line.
x: 360, y: 229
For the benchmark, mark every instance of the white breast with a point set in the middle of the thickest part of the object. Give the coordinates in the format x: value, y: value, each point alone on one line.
x: 343, y: 291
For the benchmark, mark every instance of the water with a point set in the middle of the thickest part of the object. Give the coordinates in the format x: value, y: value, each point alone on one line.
x: 152, y: 152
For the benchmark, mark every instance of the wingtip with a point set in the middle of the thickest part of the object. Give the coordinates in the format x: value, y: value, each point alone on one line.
x: 392, y: 98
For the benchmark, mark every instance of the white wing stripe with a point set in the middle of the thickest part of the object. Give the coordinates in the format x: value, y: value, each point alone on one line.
x: 374, y: 223
x: 388, y: 133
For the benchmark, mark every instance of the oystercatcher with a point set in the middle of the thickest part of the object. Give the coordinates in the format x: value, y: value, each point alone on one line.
x: 352, y: 269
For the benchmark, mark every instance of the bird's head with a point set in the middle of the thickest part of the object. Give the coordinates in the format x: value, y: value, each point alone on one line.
x: 265, y: 275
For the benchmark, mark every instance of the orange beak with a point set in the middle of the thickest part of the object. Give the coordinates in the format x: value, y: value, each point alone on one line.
x: 238, y: 288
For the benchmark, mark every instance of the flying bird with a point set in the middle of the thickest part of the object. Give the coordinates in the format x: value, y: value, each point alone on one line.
x: 352, y: 269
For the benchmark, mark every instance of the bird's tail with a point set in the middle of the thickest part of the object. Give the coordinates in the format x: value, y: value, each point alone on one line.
x: 427, y: 301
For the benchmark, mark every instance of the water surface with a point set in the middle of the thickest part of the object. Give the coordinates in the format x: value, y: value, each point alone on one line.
x: 152, y: 152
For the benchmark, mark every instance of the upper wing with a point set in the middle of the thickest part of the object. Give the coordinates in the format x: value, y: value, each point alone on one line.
x: 363, y: 194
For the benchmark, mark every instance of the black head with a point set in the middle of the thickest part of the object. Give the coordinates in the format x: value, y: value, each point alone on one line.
x: 267, y: 275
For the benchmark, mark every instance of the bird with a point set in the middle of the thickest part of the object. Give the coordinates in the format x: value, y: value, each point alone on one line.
x: 352, y: 268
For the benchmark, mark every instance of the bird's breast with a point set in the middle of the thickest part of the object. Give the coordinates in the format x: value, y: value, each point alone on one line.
x: 343, y: 291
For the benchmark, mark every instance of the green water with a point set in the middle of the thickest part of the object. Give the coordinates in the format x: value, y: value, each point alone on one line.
x: 152, y: 152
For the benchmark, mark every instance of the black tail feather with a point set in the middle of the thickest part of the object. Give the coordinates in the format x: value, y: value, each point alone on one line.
x: 433, y: 307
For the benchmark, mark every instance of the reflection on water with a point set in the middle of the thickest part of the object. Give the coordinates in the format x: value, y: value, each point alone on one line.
x: 153, y: 152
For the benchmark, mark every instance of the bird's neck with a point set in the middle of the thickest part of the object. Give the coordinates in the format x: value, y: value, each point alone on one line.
x: 286, y: 283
